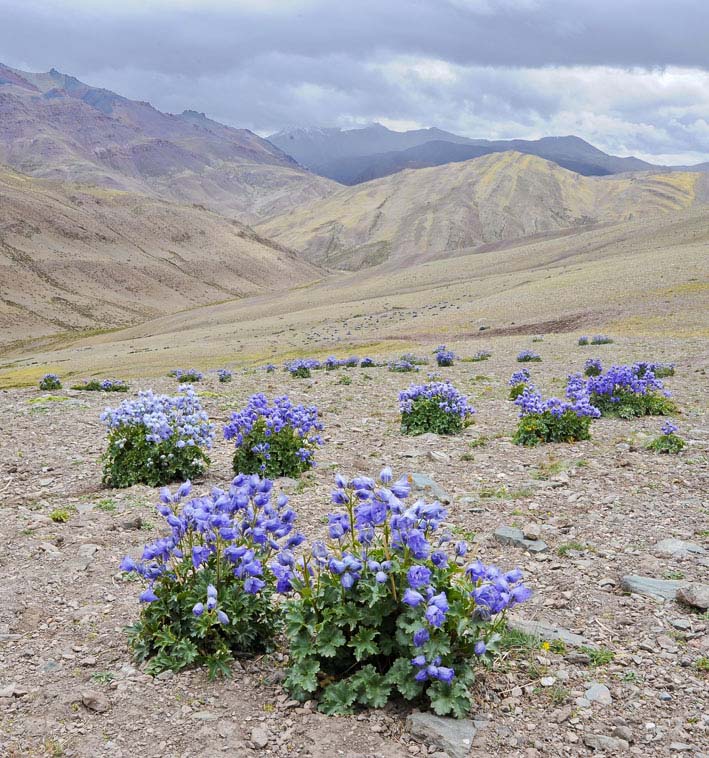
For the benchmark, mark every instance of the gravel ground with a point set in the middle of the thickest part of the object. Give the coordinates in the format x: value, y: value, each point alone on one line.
x: 67, y: 682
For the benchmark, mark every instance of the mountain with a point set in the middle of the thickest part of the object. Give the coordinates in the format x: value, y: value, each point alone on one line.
x: 77, y: 258
x: 359, y: 155
x: 54, y: 126
x: 432, y: 213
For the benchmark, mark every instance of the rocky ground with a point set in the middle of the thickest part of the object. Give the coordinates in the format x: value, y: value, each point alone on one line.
x: 630, y: 677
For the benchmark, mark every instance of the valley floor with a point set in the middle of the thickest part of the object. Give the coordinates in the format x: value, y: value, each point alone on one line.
x: 602, y: 506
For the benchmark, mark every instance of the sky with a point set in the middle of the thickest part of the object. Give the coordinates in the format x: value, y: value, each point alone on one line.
x: 630, y: 76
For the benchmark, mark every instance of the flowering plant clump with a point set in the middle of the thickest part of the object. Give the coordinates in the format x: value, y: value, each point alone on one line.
x: 593, y: 367
x: 209, y: 593
x: 367, y: 363
x: 415, y: 359
x: 224, y: 375
x: 276, y: 439
x: 660, y: 370
x: 389, y: 605
x: 331, y: 363
x: 481, y: 355
x: 435, y: 407
x: 189, y: 375
x: 269, y: 368
x: 156, y: 439
x: 403, y: 367
x: 444, y: 357
x: 50, y: 382
x: 105, y: 385
x: 668, y: 441
x: 583, y: 341
x: 529, y: 356
x: 554, y: 420
x: 628, y: 391
x: 301, y: 367
x: 518, y: 381
x: 601, y: 339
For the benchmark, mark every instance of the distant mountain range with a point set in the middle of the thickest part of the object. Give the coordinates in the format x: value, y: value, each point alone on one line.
x: 54, y: 126
x: 358, y: 155
x: 438, y: 212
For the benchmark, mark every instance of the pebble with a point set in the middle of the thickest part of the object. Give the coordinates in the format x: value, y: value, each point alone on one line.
x: 598, y: 693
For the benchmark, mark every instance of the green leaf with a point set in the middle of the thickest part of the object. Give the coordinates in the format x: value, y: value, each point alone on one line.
x: 401, y: 675
x: 328, y: 641
x: 363, y: 643
x: 338, y: 698
x: 303, y: 675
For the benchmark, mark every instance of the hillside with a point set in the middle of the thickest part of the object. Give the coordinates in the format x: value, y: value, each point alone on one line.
x: 353, y: 156
x: 436, y: 212
x: 77, y: 258
x: 54, y: 126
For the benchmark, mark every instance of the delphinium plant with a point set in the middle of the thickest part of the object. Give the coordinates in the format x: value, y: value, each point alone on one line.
x: 554, y: 420
x: 435, y: 407
x: 583, y: 341
x: 187, y: 376
x: 300, y: 368
x: 331, y: 363
x: 156, y: 439
x: 351, y: 362
x: 367, y: 363
x: 518, y: 381
x: 444, y: 357
x: 660, y: 370
x: 50, y: 382
x: 668, y: 441
x: 269, y: 368
x: 481, y: 355
x: 224, y: 375
x: 104, y: 385
x: 274, y: 439
x: 622, y: 391
x: 417, y: 360
x: 389, y: 606
x: 209, y: 593
x: 403, y: 367
x: 601, y: 339
x: 593, y: 367
x: 528, y: 356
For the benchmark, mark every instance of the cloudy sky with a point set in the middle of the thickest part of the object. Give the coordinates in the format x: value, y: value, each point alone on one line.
x: 631, y: 76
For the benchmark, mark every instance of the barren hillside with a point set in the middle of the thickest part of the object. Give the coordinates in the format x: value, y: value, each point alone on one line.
x: 76, y: 258
x: 432, y: 213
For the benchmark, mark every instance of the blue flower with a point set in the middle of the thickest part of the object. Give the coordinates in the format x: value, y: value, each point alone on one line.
x: 198, y: 609
x: 480, y: 648
x: 421, y: 637
x: 412, y: 598
x: 418, y: 576
x: 148, y: 596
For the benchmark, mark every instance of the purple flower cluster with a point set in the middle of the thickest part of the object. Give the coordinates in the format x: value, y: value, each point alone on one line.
x: 528, y: 356
x: 593, y: 367
x: 180, y: 418
x: 224, y: 375
x: 279, y: 415
x: 601, y: 339
x: 367, y: 363
x: 302, y: 365
x: 531, y: 402
x: 482, y: 355
x: 187, y: 375
x: 519, y: 377
x: 241, y: 528
x: 113, y: 385
x: 669, y: 428
x: 444, y: 394
x: 444, y: 357
x: 402, y: 366
x: 622, y: 379
x: 50, y: 382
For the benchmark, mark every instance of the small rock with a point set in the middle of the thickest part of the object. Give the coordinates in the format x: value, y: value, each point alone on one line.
x: 531, y: 531
x: 623, y: 733
x: 95, y: 701
x: 598, y: 693
x: 438, y: 457
x: 604, y: 743
x: 260, y: 737
x: 510, y: 535
x: 680, y: 747
x: 453, y: 736
x: 694, y: 594
x: 426, y: 485
x: 547, y: 681
x: 550, y: 633
x: 672, y: 548
x: 660, y: 589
